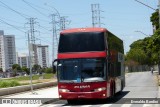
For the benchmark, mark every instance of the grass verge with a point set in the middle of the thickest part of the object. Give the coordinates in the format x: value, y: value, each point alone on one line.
x: 5, y: 84
x: 25, y: 80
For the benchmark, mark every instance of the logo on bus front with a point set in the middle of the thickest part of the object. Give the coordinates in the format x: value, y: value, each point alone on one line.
x: 82, y: 86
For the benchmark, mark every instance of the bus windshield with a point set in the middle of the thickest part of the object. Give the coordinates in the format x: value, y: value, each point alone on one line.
x: 81, y: 42
x: 81, y: 70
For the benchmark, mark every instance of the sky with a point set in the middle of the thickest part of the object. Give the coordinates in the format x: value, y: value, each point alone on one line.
x: 121, y: 17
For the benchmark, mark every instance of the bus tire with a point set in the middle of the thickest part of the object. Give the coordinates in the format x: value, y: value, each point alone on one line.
x: 71, y: 101
x: 113, y: 92
x: 112, y: 89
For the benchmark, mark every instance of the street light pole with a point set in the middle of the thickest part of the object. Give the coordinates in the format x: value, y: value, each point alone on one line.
x: 159, y: 11
x: 30, y: 62
x: 159, y: 28
x: 142, y: 33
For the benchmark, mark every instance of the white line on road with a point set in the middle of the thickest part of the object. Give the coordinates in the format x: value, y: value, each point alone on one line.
x: 126, y: 105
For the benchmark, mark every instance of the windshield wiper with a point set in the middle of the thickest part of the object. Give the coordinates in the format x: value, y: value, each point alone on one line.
x: 68, y: 81
x: 93, y: 79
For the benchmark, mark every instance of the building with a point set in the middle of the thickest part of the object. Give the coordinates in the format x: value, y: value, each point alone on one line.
x: 43, y: 55
x: 40, y: 55
x: 7, y: 51
x: 23, y: 60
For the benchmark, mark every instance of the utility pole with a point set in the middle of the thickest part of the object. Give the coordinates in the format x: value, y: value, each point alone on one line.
x: 32, y: 47
x: 159, y: 28
x: 55, y: 38
x: 32, y: 31
x: 63, y: 23
x: 30, y: 62
x: 96, y: 15
x: 58, y: 24
x: 159, y: 11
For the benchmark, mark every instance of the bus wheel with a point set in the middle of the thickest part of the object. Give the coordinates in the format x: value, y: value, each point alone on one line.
x: 121, y: 88
x: 71, y: 101
x: 113, y: 89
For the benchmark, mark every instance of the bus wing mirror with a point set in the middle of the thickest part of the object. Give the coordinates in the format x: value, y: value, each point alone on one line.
x: 54, y: 65
x: 108, y: 58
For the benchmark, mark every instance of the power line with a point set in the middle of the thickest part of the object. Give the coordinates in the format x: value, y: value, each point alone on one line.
x: 146, y: 5
x: 29, y: 4
x: 11, y: 25
x: 6, y: 6
x: 10, y: 20
x: 21, y: 14
x: 44, y: 28
x: 58, y: 14
x: 38, y: 6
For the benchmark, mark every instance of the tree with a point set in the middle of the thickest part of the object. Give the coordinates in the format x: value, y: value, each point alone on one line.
x: 156, y: 48
x: 155, y: 19
x: 16, y: 68
x: 1, y: 69
x: 137, y: 56
x: 147, y: 50
x: 137, y: 44
x: 36, y: 68
x: 25, y: 69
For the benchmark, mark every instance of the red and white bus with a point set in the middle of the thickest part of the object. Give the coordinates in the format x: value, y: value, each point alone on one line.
x: 90, y: 64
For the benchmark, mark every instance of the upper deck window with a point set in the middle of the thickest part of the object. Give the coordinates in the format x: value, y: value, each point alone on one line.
x: 81, y: 42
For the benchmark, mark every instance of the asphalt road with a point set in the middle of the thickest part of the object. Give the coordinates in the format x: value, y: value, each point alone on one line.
x: 139, y: 86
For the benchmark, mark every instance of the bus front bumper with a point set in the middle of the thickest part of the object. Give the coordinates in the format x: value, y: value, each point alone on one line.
x: 83, y: 95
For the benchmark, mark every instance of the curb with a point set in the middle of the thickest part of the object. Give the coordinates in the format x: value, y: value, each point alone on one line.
x: 18, y: 89
x: 50, y: 101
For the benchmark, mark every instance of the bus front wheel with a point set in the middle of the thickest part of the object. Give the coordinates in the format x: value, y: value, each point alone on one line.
x: 71, y: 101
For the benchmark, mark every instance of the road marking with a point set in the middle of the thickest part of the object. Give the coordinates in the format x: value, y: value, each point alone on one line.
x: 106, y: 105
x: 126, y: 105
x: 151, y: 105
x: 103, y: 105
x: 147, y: 105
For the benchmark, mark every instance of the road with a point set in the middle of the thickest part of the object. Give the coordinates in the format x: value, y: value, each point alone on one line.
x: 138, y: 85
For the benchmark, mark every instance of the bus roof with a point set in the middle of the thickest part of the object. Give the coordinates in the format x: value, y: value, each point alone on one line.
x: 83, y: 30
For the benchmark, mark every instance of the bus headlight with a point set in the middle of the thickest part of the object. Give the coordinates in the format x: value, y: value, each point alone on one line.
x: 100, y: 89
x: 63, y: 90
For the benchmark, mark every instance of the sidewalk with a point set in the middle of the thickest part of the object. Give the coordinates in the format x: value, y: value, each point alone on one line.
x: 48, y: 94
x: 158, y: 82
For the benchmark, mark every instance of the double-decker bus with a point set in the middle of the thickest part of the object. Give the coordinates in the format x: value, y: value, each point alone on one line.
x: 90, y: 64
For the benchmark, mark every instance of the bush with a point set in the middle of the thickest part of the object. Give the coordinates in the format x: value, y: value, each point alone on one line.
x: 48, y: 70
x: 48, y: 76
x: 14, y: 83
x: 5, y: 84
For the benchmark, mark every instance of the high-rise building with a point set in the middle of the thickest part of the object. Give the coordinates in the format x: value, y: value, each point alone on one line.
x: 7, y: 51
x: 43, y: 55
x: 40, y: 55
x: 23, y: 60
